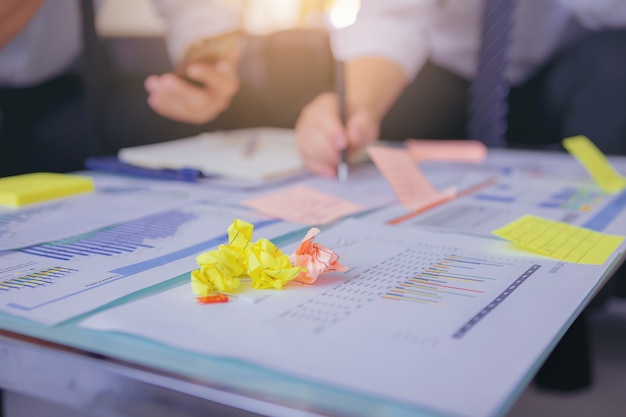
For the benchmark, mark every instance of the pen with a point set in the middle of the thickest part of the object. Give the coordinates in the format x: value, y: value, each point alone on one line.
x: 114, y: 165
x: 251, y: 144
x: 340, y: 89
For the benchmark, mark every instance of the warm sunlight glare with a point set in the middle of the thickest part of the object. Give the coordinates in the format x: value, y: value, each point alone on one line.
x: 343, y: 13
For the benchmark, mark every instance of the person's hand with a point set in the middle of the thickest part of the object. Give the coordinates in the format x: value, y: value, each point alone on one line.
x: 177, y: 99
x: 321, y: 136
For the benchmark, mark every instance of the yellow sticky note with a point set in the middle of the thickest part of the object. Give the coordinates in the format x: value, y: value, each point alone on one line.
x: 596, y: 164
x: 24, y: 189
x: 560, y: 240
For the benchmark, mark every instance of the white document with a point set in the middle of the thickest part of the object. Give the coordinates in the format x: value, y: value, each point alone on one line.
x: 580, y: 203
x: 114, y: 200
x: 365, y: 187
x: 446, y: 323
x: 255, y: 154
x: 54, y: 281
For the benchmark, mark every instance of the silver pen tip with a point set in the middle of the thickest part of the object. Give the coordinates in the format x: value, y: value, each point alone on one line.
x: 342, y: 171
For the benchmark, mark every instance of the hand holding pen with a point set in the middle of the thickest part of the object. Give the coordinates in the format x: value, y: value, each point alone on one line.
x: 371, y: 85
x: 322, y: 136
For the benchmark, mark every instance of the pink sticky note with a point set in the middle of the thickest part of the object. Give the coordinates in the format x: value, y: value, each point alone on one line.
x: 303, y: 204
x: 446, y: 150
x: 411, y: 186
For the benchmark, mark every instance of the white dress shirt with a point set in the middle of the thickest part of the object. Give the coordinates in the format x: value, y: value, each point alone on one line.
x: 410, y: 32
x: 52, y: 41
x: 190, y: 20
x: 48, y: 46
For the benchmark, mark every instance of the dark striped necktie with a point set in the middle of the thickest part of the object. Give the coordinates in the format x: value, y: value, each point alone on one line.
x: 489, y: 90
x: 95, y: 78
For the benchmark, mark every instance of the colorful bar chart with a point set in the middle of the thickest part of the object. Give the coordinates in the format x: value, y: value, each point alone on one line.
x: 421, y: 275
x: 35, y: 279
x: 605, y: 216
x: 452, y: 276
x: 572, y: 198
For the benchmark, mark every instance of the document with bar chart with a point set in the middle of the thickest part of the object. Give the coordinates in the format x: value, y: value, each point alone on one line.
x: 56, y: 280
x: 420, y: 317
x: 500, y: 203
x: 114, y: 200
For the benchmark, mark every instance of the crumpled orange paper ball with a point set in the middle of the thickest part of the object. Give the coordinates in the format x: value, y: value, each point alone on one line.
x: 315, y: 257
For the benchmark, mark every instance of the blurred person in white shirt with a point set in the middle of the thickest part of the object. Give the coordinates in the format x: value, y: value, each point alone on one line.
x: 44, y: 119
x: 409, y: 64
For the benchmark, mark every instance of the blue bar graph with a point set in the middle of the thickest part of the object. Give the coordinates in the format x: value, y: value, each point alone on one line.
x: 9, y: 219
x: 114, y: 240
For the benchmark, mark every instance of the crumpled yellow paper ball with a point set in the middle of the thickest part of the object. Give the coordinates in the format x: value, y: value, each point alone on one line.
x: 269, y: 268
x: 221, y: 269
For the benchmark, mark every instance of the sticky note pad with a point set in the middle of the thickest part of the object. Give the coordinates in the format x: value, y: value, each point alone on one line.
x: 596, y: 164
x: 24, y: 189
x: 409, y: 183
x: 560, y: 240
x: 303, y: 204
x: 446, y: 150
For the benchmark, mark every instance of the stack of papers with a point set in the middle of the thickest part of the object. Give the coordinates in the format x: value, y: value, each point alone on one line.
x: 254, y: 154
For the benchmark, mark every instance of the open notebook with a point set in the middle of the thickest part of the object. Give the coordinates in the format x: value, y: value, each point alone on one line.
x: 253, y: 154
